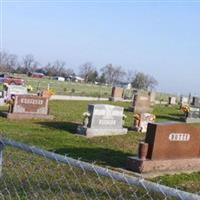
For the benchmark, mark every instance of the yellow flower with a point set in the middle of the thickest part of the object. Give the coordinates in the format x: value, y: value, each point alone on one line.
x: 185, y: 108
x: 51, y: 92
x: 29, y: 88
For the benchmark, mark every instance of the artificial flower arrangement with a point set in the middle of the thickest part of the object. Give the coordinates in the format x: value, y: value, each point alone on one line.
x: 48, y: 93
x: 29, y: 88
x: 185, y: 109
x: 86, y: 116
x: 137, y: 116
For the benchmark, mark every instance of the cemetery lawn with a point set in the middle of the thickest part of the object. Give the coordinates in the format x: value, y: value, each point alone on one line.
x: 59, y: 136
x: 78, y: 89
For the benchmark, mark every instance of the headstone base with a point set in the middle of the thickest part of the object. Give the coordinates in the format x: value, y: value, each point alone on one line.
x: 91, y: 132
x: 137, y: 129
x: 115, y: 99
x: 20, y: 116
x: 164, y: 166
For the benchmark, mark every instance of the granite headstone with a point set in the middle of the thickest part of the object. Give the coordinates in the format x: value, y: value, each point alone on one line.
x: 103, y: 120
x: 184, y: 101
x: 172, y: 101
x: 193, y: 115
x: 117, y: 94
x: 28, y: 106
x: 141, y: 103
x: 195, y: 101
x: 171, y: 147
x: 16, y: 90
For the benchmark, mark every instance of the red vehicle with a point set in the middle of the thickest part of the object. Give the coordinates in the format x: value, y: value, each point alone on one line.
x: 14, y: 81
x: 36, y: 75
x: 10, y: 80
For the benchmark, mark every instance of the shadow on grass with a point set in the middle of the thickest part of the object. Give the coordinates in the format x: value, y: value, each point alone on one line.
x: 170, y: 118
x: 3, y: 114
x: 70, y: 127
x: 178, y: 115
x: 102, y: 156
x: 129, y: 109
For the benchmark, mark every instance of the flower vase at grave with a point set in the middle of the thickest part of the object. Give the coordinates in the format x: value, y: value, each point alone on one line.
x: 142, y: 151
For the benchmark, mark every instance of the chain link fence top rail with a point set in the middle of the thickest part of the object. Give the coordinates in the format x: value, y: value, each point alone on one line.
x: 31, y: 173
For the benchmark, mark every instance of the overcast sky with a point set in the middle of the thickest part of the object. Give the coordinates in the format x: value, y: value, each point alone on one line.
x: 162, y: 39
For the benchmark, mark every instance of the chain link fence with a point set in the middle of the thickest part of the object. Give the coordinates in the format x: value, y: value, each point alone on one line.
x: 32, y: 173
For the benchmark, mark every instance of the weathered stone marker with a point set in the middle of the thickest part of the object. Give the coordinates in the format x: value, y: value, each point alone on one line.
x: 171, y: 147
x: 28, y: 107
x: 16, y: 90
x: 103, y: 120
x: 141, y: 107
x: 195, y: 101
x: 141, y: 103
x: 184, y: 101
x: 152, y: 97
x: 117, y: 94
x: 172, y: 101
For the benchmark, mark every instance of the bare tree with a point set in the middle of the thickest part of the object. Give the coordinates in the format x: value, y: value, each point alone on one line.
x: 129, y: 76
x: 143, y: 81
x: 57, y: 69
x: 87, y: 71
x: 8, y: 62
x: 152, y: 82
x: 29, y: 63
x: 69, y: 72
x: 113, y: 74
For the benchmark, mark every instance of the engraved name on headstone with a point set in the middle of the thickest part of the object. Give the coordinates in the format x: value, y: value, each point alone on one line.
x: 29, y: 106
x: 172, y: 141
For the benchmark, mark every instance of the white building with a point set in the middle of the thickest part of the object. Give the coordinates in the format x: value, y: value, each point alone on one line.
x: 59, y: 78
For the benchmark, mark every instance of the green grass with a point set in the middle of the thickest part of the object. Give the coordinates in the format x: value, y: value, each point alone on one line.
x: 187, y: 182
x: 78, y: 89
x: 59, y: 136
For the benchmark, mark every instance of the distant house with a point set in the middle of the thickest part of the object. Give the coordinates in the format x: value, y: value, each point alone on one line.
x: 36, y: 75
x: 79, y: 79
x: 125, y: 85
x: 75, y: 78
x: 59, y: 78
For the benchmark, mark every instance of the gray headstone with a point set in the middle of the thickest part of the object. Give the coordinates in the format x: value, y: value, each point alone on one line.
x: 195, y: 101
x: 172, y: 101
x: 105, y: 116
x: 193, y: 115
x: 104, y: 120
x: 16, y: 90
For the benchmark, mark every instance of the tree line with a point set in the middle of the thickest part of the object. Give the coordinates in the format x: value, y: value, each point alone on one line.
x: 108, y: 74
